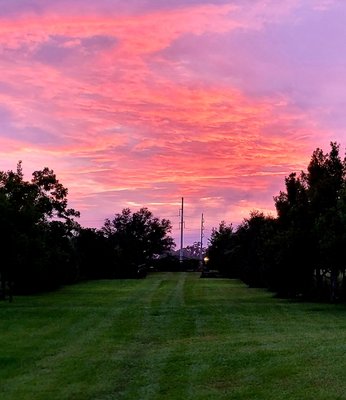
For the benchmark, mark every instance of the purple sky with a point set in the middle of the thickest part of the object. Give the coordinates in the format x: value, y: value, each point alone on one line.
x: 138, y: 103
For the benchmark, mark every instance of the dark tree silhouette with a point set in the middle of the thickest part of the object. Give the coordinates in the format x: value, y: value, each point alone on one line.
x: 136, y: 238
x: 95, y: 254
x: 302, y: 252
x: 36, y: 228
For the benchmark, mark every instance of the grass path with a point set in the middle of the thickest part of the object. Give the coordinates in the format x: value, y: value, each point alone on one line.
x: 170, y: 336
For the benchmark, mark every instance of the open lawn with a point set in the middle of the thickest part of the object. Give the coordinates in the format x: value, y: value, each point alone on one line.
x: 170, y: 336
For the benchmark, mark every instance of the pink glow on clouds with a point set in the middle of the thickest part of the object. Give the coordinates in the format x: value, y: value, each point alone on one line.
x: 136, y: 106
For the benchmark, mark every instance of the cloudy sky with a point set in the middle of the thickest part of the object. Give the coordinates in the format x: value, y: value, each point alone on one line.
x: 140, y: 102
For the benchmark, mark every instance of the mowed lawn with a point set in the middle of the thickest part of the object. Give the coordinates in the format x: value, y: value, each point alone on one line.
x: 170, y: 336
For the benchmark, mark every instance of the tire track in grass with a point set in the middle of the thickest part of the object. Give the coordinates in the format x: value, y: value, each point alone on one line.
x: 170, y: 337
x: 160, y: 348
x: 177, y: 337
x: 84, y: 333
x: 146, y: 361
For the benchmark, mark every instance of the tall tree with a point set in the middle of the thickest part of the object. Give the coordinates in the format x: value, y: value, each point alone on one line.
x: 326, y: 188
x: 302, y: 251
x: 254, y: 236
x: 311, y: 222
x: 221, y: 246
x: 95, y: 254
x: 30, y: 212
x: 293, y: 242
x: 136, y: 238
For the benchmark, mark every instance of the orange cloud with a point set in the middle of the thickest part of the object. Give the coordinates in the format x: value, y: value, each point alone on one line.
x: 119, y: 132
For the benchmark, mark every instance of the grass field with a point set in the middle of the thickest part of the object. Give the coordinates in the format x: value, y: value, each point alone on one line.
x: 170, y: 336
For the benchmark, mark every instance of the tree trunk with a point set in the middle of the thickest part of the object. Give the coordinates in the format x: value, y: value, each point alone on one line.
x: 2, y: 287
x: 319, y: 288
x: 343, y: 285
x: 333, y: 285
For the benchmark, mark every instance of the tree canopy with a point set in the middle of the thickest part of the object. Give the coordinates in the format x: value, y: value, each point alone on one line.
x: 36, y: 231
x: 136, y: 238
x: 301, y: 252
x: 43, y: 246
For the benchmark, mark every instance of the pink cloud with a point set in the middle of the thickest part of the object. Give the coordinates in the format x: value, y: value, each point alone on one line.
x: 126, y: 119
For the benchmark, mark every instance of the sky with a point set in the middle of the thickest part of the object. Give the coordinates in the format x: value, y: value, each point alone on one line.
x: 138, y: 103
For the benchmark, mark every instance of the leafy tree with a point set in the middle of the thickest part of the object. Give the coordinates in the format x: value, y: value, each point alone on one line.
x: 310, y: 227
x: 326, y: 187
x: 301, y: 253
x: 36, y: 228
x: 242, y: 253
x: 136, y: 238
x: 221, y: 245
x: 293, y: 245
x: 292, y: 204
x: 325, y: 178
x: 95, y: 255
x: 194, y: 250
x: 254, y: 237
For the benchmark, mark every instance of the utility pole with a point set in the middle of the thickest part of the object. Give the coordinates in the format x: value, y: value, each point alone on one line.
x: 201, y: 243
x: 181, y: 230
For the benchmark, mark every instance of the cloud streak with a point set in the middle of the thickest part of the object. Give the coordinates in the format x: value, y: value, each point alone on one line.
x: 137, y: 105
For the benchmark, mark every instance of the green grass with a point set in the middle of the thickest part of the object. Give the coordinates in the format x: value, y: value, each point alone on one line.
x: 170, y: 336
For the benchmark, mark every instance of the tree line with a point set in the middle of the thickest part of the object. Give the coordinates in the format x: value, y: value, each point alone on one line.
x: 301, y: 253
x: 43, y: 246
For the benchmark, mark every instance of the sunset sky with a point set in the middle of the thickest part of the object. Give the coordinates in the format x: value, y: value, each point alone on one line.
x: 140, y: 102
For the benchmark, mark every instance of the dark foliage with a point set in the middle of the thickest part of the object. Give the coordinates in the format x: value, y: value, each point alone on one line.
x: 136, y: 239
x: 167, y: 263
x: 222, y: 249
x: 43, y: 246
x: 95, y: 254
x: 302, y: 252
x: 37, y: 230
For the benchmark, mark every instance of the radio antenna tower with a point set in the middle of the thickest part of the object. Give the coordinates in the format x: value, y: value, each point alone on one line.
x: 201, y: 242
x: 181, y: 230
